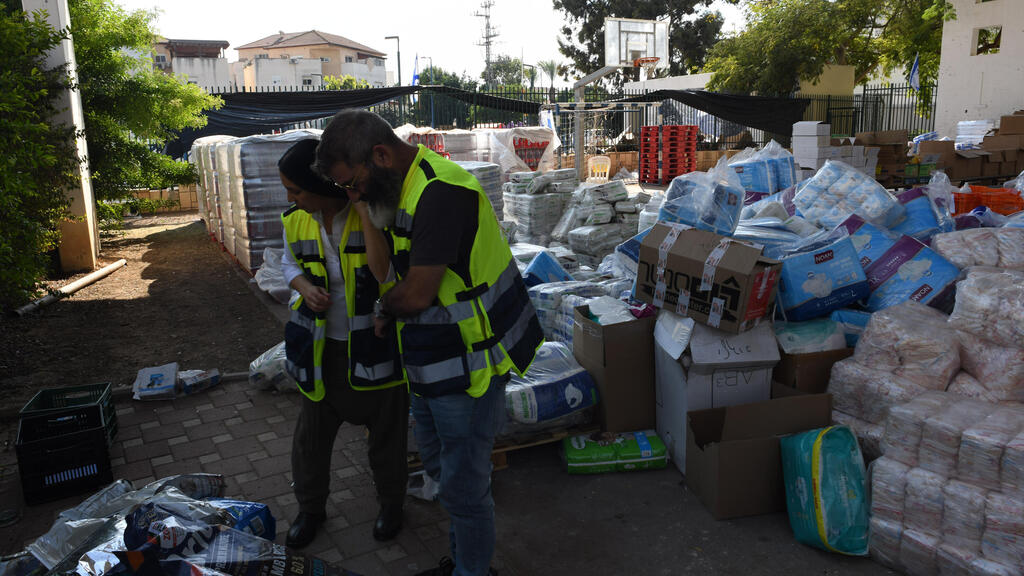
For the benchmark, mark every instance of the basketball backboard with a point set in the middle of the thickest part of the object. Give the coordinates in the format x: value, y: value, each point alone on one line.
x: 626, y: 39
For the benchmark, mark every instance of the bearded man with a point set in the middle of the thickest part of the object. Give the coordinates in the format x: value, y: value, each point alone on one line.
x: 460, y: 308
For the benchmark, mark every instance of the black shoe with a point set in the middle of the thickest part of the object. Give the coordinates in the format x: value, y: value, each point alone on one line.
x: 303, y: 530
x: 389, y: 520
x: 444, y: 568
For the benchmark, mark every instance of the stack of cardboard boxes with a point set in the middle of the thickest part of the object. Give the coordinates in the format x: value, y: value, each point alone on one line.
x: 891, y: 154
x: 856, y: 154
x: 1000, y: 157
x: 812, y: 145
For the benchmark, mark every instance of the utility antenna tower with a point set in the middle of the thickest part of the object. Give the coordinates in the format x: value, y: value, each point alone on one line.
x: 489, y: 34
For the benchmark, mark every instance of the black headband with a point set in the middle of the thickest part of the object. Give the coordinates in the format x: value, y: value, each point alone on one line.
x: 297, y: 163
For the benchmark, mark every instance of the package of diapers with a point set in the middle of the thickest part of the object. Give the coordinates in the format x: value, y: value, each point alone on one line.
x: 819, y: 276
x: 838, y: 190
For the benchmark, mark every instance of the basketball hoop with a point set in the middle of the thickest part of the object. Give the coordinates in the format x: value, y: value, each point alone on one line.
x: 648, y: 63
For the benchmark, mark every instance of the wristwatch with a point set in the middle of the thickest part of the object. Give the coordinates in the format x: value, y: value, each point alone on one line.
x: 378, y: 309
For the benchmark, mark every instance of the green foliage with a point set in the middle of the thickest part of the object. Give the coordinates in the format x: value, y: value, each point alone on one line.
x: 549, y: 68
x: 345, y: 82
x: 131, y: 109
x: 504, y: 71
x: 111, y: 215
x: 37, y: 160
x: 786, y: 41
x: 692, y: 31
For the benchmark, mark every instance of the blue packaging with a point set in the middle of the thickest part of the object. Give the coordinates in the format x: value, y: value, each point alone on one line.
x: 909, y: 270
x: 853, y: 323
x: 921, y: 222
x: 821, y: 278
x: 554, y: 386
x: 708, y: 205
x: 544, y: 268
x: 755, y: 175
x: 783, y: 169
x: 251, y: 517
x: 631, y: 248
x: 869, y: 240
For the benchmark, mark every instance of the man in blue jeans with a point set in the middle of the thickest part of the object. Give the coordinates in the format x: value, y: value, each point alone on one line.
x: 460, y: 308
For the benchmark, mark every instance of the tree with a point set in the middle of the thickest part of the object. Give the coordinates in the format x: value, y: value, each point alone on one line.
x: 345, y: 82
x: 39, y: 159
x: 786, y: 41
x: 549, y: 67
x: 691, y: 32
x: 504, y: 71
x: 130, y: 108
x: 531, y: 74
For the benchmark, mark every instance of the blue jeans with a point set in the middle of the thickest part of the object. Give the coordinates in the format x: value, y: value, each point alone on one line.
x: 455, y: 434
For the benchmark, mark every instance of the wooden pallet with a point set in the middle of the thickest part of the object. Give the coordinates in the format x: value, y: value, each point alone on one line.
x: 502, y: 448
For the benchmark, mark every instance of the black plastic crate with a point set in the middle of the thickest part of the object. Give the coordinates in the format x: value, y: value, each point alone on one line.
x: 77, y: 401
x: 62, y: 455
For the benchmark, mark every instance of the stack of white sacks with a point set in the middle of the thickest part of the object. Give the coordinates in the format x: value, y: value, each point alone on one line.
x: 599, y: 218
x: 489, y: 175
x: 535, y: 202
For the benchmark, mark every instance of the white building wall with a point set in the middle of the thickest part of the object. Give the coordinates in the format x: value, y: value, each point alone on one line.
x: 287, y: 71
x: 985, y: 86
x: 375, y: 75
x: 206, y: 72
x: 689, y: 82
x: 238, y: 73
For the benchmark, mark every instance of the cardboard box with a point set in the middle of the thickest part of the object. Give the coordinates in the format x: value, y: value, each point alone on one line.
x: 740, y: 289
x: 813, y: 153
x: 812, y: 128
x: 900, y: 137
x: 620, y: 358
x: 733, y: 463
x: 811, y: 141
x: 808, y: 373
x: 1011, y: 124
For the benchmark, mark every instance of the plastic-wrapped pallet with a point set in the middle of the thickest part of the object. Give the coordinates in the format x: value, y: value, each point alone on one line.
x: 838, y: 190
x: 905, y: 423
x: 963, y: 515
x: 888, y: 489
x: 565, y: 317
x: 914, y: 342
x: 535, y: 215
x: 884, y: 541
x: 917, y: 552
x: 982, y: 445
x: 868, y: 434
x: 598, y: 240
x: 965, y: 385
x: 868, y: 393
x: 990, y: 305
x: 1011, y: 472
x: 1003, y: 538
x: 923, y: 501
x: 489, y: 177
x: 1001, y: 247
x: 941, y: 435
x: 554, y: 386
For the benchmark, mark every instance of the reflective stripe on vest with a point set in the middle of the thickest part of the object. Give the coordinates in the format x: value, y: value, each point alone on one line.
x: 480, y: 327
x: 365, y: 349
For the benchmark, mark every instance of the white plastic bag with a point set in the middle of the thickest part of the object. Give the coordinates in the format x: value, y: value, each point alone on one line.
x: 990, y: 305
x: 270, y: 277
x: 267, y: 371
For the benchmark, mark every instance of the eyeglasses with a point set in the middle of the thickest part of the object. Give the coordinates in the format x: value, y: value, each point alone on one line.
x: 346, y: 187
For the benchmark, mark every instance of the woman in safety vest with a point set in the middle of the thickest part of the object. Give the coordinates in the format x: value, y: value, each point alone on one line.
x: 345, y: 371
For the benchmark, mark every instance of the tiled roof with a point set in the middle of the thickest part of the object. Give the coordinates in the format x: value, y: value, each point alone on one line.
x: 309, y: 38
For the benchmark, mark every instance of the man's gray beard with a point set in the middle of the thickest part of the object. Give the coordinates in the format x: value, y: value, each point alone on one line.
x: 382, y: 216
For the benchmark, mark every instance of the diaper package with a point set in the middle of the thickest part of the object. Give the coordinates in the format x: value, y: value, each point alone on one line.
x: 754, y: 172
x: 838, y: 190
x: 709, y: 201
x: 821, y: 275
x: 852, y: 323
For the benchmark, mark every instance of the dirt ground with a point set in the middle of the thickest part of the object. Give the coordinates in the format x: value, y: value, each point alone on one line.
x: 177, y: 300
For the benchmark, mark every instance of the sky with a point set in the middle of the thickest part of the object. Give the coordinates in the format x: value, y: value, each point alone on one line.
x: 446, y: 33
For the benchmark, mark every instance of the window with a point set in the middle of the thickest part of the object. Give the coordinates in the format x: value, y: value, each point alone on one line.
x: 325, y: 59
x: 262, y: 56
x: 378, y: 62
x: 348, y: 59
x: 307, y: 81
x: 160, y: 58
x: 987, y: 40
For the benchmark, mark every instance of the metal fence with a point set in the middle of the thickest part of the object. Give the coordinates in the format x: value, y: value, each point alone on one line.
x: 881, y: 107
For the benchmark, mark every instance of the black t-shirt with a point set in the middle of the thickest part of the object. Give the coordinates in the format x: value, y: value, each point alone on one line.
x: 444, y: 227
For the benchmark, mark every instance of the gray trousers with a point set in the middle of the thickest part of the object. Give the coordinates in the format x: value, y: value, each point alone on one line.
x: 384, y: 412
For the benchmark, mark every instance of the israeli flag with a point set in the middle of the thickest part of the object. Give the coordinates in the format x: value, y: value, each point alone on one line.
x: 415, y: 76
x: 915, y: 73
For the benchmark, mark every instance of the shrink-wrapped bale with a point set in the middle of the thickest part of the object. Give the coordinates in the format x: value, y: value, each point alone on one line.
x: 953, y: 561
x: 884, y: 542
x: 918, y: 551
x: 940, y: 437
x: 985, y: 567
x: 923, y: 501
x: 838, y: 190
x: 598, y: 240
x: 990, y: 305
x: 868, y: 393
x: 1012, y: 468
x: 914, y: 342
x: 982, y: 446
x: 1001, y: 247
x: 999, y: 369
x: 963, y: 515
x: 903, y: 428
x: 868, y: 434
x: 888, y: 489
x: 967, y: 386
x: 555, y: 386
x: 1003, y: 538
